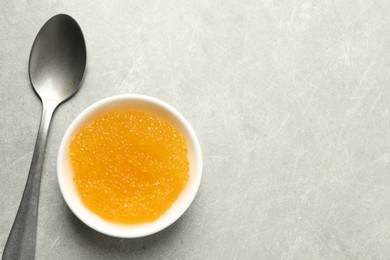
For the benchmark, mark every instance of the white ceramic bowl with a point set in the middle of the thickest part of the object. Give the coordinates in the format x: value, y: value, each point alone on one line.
x: 159, y: 109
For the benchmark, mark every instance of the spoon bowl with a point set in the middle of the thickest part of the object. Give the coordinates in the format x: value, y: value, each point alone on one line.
x: 56, y: 69
x: 58, y: 58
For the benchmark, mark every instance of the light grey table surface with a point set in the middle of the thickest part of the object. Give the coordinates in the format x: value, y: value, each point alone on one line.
x: 290, y: 101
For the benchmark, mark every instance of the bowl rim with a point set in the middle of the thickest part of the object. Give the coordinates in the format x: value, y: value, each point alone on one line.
x: 156, y: 226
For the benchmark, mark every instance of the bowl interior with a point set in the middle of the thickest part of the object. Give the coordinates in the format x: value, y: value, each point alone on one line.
x: 160, y: 110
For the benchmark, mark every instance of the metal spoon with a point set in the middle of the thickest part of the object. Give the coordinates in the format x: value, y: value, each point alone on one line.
x: 56, y: 68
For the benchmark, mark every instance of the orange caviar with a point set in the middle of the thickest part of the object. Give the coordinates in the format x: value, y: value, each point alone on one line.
x: 129, y: 166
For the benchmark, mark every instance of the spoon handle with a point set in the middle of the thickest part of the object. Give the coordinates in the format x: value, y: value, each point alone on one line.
x: 22, y: 238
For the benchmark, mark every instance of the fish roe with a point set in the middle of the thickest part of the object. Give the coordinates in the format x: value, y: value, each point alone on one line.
x: 129, y: 166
